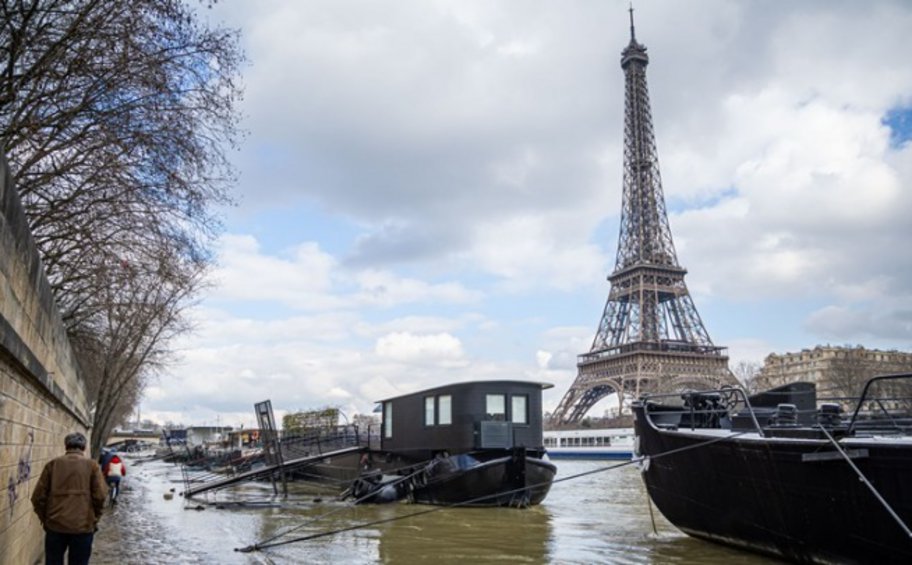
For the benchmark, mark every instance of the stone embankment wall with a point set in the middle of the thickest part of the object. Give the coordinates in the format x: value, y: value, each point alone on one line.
x: 42, y: 396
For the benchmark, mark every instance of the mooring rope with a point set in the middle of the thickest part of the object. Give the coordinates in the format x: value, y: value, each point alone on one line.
x: 265, y: 544
x: 655, y: 530
x: 867, y: 483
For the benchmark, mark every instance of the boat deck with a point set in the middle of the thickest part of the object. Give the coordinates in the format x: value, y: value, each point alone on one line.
x: 266, y: 471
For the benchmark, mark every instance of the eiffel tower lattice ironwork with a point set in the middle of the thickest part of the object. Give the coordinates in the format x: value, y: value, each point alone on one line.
x: 651, y: 337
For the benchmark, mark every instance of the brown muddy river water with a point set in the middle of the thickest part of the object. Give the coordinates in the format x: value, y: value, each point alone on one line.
x: 598, y: 518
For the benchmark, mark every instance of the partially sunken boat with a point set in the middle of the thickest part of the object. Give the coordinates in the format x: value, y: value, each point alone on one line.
x: 466, y: 444
x: 781, y: 474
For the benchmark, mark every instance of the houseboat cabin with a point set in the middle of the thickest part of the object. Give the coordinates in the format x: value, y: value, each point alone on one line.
x: 464, y: 417
x: 469, y: 444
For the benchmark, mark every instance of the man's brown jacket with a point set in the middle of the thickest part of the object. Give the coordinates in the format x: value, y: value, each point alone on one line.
x: 70, y: 495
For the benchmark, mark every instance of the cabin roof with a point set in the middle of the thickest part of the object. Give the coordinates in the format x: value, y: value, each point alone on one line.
x: 467, y: 384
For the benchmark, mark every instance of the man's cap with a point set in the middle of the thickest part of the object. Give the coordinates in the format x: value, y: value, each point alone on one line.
x: 75, y: 440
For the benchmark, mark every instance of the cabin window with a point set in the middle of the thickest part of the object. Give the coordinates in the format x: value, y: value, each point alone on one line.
x: 496, y: 406
x: 445, y: 406
x: 387, y: 419
x: 428, y: 410
x: 519, y: 412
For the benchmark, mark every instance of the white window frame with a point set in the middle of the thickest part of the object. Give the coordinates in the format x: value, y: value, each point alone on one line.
x: 444, y: 409
x: 387, y: 420
x: 430, y: 413
x: 523, y: 410
x: 503, y: 406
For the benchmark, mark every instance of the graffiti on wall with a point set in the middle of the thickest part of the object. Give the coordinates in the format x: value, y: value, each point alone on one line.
x: 23, y: 472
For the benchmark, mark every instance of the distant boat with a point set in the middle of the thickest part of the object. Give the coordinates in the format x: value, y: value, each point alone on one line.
x: 780, y: 474
x: 584, y: 443
x: 470, y: 444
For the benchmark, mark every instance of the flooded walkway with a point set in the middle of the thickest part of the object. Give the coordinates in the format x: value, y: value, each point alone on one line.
x: 601, y: 518
x: 145, y: 528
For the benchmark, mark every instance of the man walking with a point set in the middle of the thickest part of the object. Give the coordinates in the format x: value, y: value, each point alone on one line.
x: 69, y: 500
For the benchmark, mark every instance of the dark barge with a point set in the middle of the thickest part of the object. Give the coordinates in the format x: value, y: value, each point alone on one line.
x: 781, y: 474
x: 470, y: 444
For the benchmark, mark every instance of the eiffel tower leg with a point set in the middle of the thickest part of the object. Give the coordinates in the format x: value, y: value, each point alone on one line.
x: 581, y: 397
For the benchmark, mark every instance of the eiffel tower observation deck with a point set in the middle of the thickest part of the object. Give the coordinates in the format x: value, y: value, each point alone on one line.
x: 650, y: 338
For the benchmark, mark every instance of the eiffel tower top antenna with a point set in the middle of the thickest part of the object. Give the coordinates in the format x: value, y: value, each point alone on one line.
x: 632, y: 32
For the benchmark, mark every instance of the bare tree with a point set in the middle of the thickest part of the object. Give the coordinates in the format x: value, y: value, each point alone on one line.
x: 851, y: 369
x: 141, y: 314
x: 117, y: 118
x: 747, y: 372
x: 846, y: 375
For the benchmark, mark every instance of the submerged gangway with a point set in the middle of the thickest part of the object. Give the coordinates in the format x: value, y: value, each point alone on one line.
x: 266, y: 471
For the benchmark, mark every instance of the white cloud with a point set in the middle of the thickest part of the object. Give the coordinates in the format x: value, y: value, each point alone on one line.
x: 848, y: 324
x: 380, y: 288
x: 307, y: 278
x: 443, y: 349
x: 301, y: 278
x: 522, y: 242
x: 543, y: 358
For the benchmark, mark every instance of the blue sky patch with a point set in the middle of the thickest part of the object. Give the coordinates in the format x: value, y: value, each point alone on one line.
x: 278, y: 229
x: 899, y: 120
x: 675, y: 205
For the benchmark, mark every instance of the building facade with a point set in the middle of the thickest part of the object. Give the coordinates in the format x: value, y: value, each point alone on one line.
x: 837, y: 371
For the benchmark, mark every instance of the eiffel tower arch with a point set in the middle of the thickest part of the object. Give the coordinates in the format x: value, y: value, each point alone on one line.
x: 650, y: 338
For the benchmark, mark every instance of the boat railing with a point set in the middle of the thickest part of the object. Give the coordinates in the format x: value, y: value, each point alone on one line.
x: 714, y: 408
x: 891, y: 410
x: 321, y: 440
x: 885, y: 406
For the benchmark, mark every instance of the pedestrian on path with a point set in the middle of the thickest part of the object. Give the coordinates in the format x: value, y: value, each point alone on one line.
x: 114, y: 470
x: 68, y: 500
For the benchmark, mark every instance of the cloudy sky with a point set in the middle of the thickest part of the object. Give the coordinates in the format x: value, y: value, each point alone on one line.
x: 430, y: 191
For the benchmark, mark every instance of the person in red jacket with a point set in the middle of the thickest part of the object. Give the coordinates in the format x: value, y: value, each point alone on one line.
x: 114, y: 471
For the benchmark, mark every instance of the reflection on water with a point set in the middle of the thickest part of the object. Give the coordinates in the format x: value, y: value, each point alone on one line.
x: 469, y: 535
x: 598, y: 518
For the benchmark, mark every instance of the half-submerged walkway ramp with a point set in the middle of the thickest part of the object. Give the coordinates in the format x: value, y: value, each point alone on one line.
x: 266, y: 471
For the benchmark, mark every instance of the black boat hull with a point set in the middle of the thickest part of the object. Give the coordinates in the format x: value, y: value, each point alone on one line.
x: 502, y: 481
x: 795, y: 499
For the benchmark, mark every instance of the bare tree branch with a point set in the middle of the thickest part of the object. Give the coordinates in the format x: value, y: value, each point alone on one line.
x: 117, y: 118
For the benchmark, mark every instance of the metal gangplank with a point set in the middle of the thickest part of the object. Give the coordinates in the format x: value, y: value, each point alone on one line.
x: 267, y: 471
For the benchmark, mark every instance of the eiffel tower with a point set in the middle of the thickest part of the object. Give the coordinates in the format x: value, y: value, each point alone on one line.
x: 650, y: 338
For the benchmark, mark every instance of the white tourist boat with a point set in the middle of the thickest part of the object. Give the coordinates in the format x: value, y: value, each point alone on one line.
x: 585, y: 443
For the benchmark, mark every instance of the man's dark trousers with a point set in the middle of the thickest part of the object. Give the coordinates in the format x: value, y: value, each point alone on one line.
x: 56, y: 544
